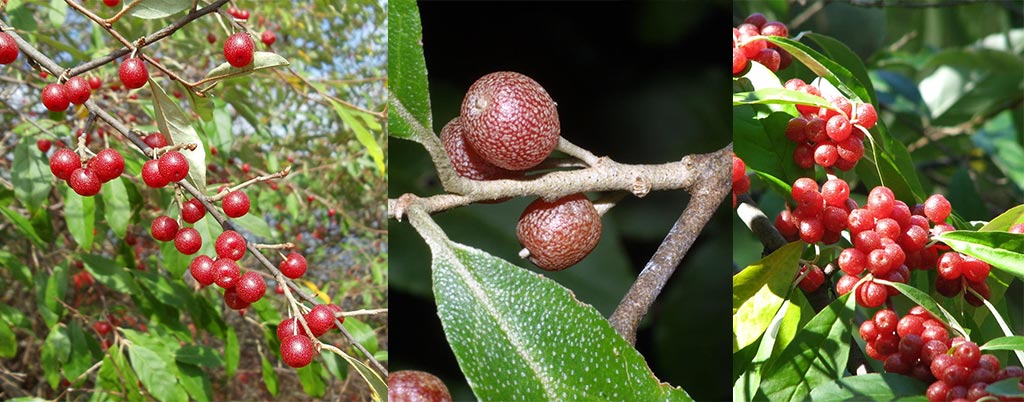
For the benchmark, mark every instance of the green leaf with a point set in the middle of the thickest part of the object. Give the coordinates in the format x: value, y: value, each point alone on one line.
x: 960, y: 84
x: 231, y: 352
x: 110, y: 274
x: 922, y: 299
x: 780, y: 96
x: 817, y: 354
x: 58, y: 12
x: 195, y: 382
x: 260, y: 61
x: 362, y: 333
x: 839, y: 76
x: 763, y: 146
x: 840, y: 53
x: 362, y: 135
x: 81, y: 357
x: 80, y: 214
x: 156, y: 374
x: 759, y: 291
x: 8, y: 344
x: 519, y: 335
x: 116, y: 208
x: 378, y: 388
x: 23, y: 226
x: 254, y: 224
x: 19, y: 270
x: 311, y: 380
x: 1006, y: 219
x: 407, y: 69
x: 269, y: 376
x: 49, y: 290
x: 154, y: 9
x: 1004, y: 251
x: 55, y: 352
x: 30, y: 176
x: 870, y: 387
x: 203, y: 106
x: 115, y: 375
x: 1007, y: 387
x: 1005, y: 343
x: 199, y: 355
x: 172, y: 121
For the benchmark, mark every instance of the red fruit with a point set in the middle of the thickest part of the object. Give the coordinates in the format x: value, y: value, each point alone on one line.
x: 950, y: 266
x: 102, y: 327
x: 85, y: 182
x: 297, y: 351
x: 55, y: 98
x: 811, y: 230
x: 63, y: 162
x: 173, y: 166
x: 279, y: 289
x: 796, y: 130
x: 77, y: 90
x: 293, y: 266
x: 838, y: 128
x: 188, y: 241
x: 937, y: 208
x: 1018, y: 228
x: 813, y: 280
x: 155, y: 140
x: 825, y: 154
x: 973, y: 269
x: 769, y: 58
x: 836, y: 192
x: 815, y: 128
x: 288, y: 328
x: 756, y: 19
x: 236, y: 204
x: 111, y: 3
x: 803, y: 156
x: 739, y: 61
x: 868, y: 331
x: 937, y: 392
x: 416, y: 386
x: 775, y: 28
x: 164, y: 228
x: 43, y: 145
x: 238, y: 49
x: 852, y: 261
x: 865, y: 115
x: 251, y: 287
x: 851, y: 149
x: 466, y: 162
x: 202, y: 270
x: 559, y: 234
x: 231, y: 245
x: 226, y: 272
x: 803, y: 185
x: 151, y: 174
x: 320, y: 319
x: 8, y: 48
x: 510, y: 120
x: 192, y: 210
x: 910, y: 325
x: 268, y: 37
x: 845, y: 284
x: 95, y: 83
x: 233, y: 300
x: 881, y: 201
x: 108, y: 165
x: 133, y: 73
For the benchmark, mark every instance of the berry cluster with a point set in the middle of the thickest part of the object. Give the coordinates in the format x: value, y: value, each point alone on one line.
x: 57, y: 97
x: 813, y: 280
x: 297, y: 348
x: 170, y: 167
x: 509, y: 124
x: 918, y: 345
x: 819, y: 216
x: 745, y: 49
x: 740, y: 180
x: 829, y: 137
x: 86, y: 180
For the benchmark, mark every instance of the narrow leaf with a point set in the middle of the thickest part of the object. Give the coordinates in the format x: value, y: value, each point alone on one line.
x: 922, y: 299
x: 8, y: 345
x: 173, y: 121
x: 269, y: 376
x: 1004, y: 251
x: 30, y: 176
x: 759, y: 291
x: 407, y: 69
x: 80, y: 214
x: 154, y: 9
x: 1005, y: 343
x: 363, y: 136
x: 260, y: 61
x: 869, y: 387
x: 116, y: 208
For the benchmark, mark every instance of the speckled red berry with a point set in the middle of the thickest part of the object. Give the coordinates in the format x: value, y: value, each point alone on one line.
x: 236, y: 204
x: 251, y: 287
x: 85, y: 182
x: 297, y: 351
x: 155, y: 140
x: 151, y: 174
x: 8, y: 48
x: 238, y: 49
x: 293, y: 266
x: 466, y: 162
x: 416, y: 386
x: 133, y: 73
x: 202, y: 270
x: 288, y: 328
x: 77, y: 89
x: 173, y: 166
x: 231, y: 245
x: 108, y: 164
x: 226, y: 272
x: 559, y: 234
x: 320, y: 319
x: 268, y: 37
x: 511, y: 120
x: 164, y: 228
x: 63, y: 162
x: 192, y: 211
x: 188, y: 241
x: 55, y: 98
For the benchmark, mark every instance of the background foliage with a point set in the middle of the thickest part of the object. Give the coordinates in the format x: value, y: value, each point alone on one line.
x: 331, y: 207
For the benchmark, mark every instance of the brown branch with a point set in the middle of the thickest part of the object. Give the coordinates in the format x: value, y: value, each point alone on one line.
x: 707, y: 192
x: 762, y: 226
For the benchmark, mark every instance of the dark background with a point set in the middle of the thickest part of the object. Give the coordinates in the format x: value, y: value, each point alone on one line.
x: 639, y: 82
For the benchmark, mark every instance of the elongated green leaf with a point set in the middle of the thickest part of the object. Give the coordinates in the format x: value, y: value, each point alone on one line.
x: 817, y: 355
x: 30, y: 176
x: 759, y: 291
x: 781, y: 96
x: 156, y: 374
x: 199, y: 355
x: 922, y: 299
x: 231, y: 352
x: 80, y: 214
x: 55, y: 351
x: 362, y: 135
x: 195, y: 382
x: 116, y: 208
x: 762, y: 144
x: 362, y: 333
x: 203, y: 106
x: 824, y: 67
x: 254, y: 224
x: 1006, y: 219
x: 1007, y: 387
x: 841, y: 54
x: 519, y: 335
x: 378, y: 388
x: 1002, y: 250
x: 8, y: 345
x: 407, y: 69
x: 58, y: 12
x: 81, y: 357
x: 172, y: 121
x: 871, y: 387
x: 269, y: 376
x: 312, y: 383
x: 1005, y: 343
x: 23, y: 226
x: 260, y: 61
x: 967, y: 83
x: 154, y: 9
x: 110, y: 274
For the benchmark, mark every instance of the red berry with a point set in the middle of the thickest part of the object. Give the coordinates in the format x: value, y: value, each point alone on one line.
x: 102, y: 327
x: 973, y: 269
x: 85, y: 182
x: 803, y: 185
x: 108, y: 165
x: 236, y: 204
x: 55, y: 98
x: 1018, y: 228
x: 95, y: 83
x: 268, y: 37
x: 796, y: 130
x: 937, y: 392
x: 868, y: 331
x: 950, y: 266
x: 815, y: 128
x: 756, y: 19
x: 769, y: 58
x: 803, y: 156
x: 164, y: 228
x: 811, y: 230
x: 845, y: 284
x: 133, y: 73
x: 775, y: 28
x: 293, y: 266
x: 559, y: 234
x: 288, y: 328
x: 852, y: 261
x: 202, y: 270
x: 111, y: 3
x: 836, y: 192
x: 8, y: 48
x: 297, y: 351
x: 155, y: 140
x: 192, y: 210
x: 825, y: 154
x: 940, y: 363
x: 813, y: 280
x: 233, y: 300
x: 881, y: 201
x: 226, y: 272
x: 865, y: 115
x: 937, y: 208
x: 173, y: 166
x: 910, y: 325
x: 466, y: 162
x: 320, y: 319
x: 238, y: 49
x: 739, y: 61
x: 188, y: 241
x: 63, y: 162
x: 413, y: 386
x: 231, y: 245
x: 77, y: 90
x: 510, y: 120
x: 151, y: 174
x: 210, y: 37
x: 251, y: 287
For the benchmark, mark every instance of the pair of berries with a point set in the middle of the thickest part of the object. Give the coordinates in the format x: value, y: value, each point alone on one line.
x: 66, y: 165
x: 57, y: 97
x: 296, y: 348
x: 170, y: 167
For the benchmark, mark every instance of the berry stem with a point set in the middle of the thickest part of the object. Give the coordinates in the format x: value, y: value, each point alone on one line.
x: 575, y: 151
x: 281, y: 246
